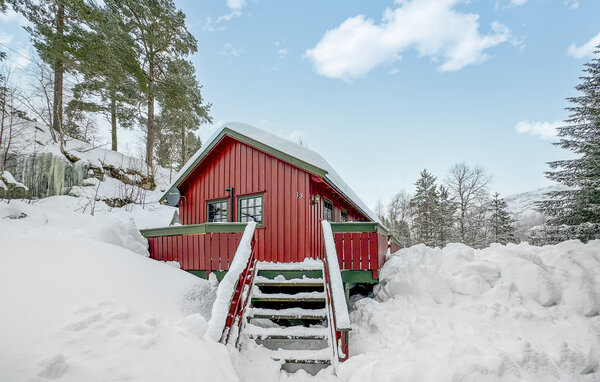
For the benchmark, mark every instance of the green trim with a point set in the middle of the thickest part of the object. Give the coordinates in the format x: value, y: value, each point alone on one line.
x: 358, y: 277
x: 261, y: 146
x: 354, y: 226
x: 348, y: 277
x: 201, y: 274
x: 262, y: 208
x: 193, y: 229
x: 359, y: 227
x: 289, y: 274
x: 218, y: 201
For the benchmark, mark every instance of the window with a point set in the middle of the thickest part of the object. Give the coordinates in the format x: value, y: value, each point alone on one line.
x: 217, y: 211
x: 327, y: 210
x: 344, y: 216
x: 250, y: 208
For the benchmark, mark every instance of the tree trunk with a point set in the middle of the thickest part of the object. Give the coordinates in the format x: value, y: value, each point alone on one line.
x: 183, y: 148
x: 113, y: 119
x: 150, y: 125
x: 57, y: 109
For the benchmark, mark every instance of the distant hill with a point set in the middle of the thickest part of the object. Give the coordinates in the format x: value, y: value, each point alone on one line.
x: 524, y: 203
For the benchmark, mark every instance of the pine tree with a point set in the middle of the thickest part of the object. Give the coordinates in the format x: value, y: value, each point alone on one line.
x: 160, y: 35
x: 108, y: 64
x: 581, y: 135
x: 55, y: 31
x: 182, y: 104
x: 425, y: 205
x: 500, y: 222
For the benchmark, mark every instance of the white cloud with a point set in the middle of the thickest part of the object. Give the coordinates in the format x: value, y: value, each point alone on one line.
x: 12, y: 16
x: 542, y: 130
x: 573, y: 4
x: 230, y: 50
x: 433, y: 27
x: 585, y: 50
x: 235, y: 8
x: 281, y: 53
x: 236, y: 5
x: 517, y: 3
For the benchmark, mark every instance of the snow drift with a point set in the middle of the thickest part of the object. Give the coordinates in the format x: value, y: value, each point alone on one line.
x: 514, y: 312
x: 81, y: 302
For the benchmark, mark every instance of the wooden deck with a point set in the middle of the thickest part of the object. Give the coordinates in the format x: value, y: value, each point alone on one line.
x: 204, y: 248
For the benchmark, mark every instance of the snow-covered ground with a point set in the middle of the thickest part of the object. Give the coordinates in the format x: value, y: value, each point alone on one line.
x: 504, y: 313
x: 81, y: 301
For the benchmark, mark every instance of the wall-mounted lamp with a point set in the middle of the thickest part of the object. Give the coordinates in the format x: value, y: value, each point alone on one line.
x: 316, y: 199
x: 229, y: 190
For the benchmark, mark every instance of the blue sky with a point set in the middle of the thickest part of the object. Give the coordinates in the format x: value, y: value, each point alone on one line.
x: 384, y: 89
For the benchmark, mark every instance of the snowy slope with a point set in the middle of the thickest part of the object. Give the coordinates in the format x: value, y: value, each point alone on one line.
x: 504, y: 313
x: 524, y: 203
x: 81, y: 302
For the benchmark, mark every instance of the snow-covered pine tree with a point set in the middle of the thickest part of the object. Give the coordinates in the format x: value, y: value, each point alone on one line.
x: 581, y: 134
x: 425, y: 205
x: 501, y: 228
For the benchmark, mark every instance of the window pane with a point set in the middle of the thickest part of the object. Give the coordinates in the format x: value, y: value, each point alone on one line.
x: 217, y: 212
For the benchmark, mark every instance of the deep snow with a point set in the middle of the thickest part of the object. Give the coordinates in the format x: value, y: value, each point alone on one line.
x: 514, y: 312
x: 81, y: 301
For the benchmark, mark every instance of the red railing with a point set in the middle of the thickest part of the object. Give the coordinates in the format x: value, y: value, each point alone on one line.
x: 240, y: 298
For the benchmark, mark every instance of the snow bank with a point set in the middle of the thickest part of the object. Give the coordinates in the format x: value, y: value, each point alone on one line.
x: 80, y: 304
x: 504, y: 313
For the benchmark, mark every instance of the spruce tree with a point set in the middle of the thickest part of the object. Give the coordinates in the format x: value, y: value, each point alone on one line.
x: 425, y: 206
x: 581, y: 135
x: 500, y: 222
x: 446, y: 218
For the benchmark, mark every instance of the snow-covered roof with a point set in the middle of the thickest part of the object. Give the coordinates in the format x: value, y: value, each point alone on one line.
x: 285, y: 147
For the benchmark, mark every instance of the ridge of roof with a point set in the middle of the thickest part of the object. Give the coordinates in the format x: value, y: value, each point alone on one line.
x: 305, y: 158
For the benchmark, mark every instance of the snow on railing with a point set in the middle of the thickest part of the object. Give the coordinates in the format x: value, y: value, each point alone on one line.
x: 340, y: 308
x: 227, y: 286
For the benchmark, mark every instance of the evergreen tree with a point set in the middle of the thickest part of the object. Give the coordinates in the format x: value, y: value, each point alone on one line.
x: 110, y: 72
x: 581, y: 135
x: 425, y: 206
x: 160, y: 37
x: 445, y: 221
x: 500, y: 222
x: 182, y: 104
x: 55, y: 31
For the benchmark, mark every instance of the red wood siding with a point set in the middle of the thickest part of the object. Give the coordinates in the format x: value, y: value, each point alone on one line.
x: 292, y: 224
x: 360, y: 250
x: 210, y: 252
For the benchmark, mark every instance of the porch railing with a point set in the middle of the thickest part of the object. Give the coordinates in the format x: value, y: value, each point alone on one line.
x: 208, y: 247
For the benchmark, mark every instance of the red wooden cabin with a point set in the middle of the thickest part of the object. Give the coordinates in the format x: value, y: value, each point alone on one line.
x: 244, y: 173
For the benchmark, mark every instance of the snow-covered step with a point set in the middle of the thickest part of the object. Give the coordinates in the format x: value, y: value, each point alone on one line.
x: 288, y: 314
x: 282, y: 281
x: 303, y: 356
x: 304, y: 296
x: 306, y: 265
x: 292, y: 332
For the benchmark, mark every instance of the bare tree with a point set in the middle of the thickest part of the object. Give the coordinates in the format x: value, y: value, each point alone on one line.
x: 468, y: 187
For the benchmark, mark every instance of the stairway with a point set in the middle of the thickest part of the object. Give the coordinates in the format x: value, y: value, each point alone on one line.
x: 288, y: 314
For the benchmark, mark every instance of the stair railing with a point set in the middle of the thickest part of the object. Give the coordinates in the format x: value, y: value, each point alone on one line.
x: 234, y: 289
x: 339, y: 319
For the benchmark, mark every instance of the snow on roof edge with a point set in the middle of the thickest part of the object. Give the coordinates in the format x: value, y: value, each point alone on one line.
x: 285, y: 146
